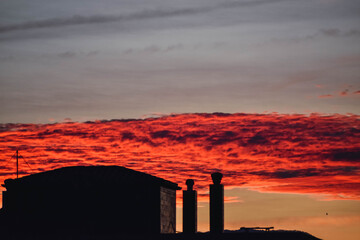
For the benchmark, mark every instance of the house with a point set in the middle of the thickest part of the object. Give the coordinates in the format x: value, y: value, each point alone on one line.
x: 91, y: 199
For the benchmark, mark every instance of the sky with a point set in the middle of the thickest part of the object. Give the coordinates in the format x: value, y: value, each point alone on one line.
x: 286, y: 72
x: 89, y: 60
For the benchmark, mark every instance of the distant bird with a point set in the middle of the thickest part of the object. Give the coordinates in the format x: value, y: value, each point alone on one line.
x: 327, y: 214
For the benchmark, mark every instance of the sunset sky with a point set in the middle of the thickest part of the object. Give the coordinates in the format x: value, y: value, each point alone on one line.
x: 286, y: 72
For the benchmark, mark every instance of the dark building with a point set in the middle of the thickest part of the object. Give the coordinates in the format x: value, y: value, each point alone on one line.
x: 93, y: 199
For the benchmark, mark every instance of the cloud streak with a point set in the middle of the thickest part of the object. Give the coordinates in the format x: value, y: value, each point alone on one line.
x: 143, y: 15
x: 343, y: 93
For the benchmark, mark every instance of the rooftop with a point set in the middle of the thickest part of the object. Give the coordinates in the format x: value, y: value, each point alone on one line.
x: 89, y: 175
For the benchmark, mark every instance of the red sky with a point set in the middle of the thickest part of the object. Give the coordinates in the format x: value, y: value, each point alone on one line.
x: 266, y: 152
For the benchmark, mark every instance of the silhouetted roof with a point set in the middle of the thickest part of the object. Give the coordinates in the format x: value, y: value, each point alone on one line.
x: 90, y: 175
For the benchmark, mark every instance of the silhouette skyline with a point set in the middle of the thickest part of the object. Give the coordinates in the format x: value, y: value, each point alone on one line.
x: 115, y: 202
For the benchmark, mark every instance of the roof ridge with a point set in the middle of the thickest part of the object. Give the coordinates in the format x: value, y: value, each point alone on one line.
x: 112, y: 170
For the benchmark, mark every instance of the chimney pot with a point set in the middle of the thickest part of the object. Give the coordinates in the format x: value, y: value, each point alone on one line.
x: 190, y: 184
x: 216, y: 178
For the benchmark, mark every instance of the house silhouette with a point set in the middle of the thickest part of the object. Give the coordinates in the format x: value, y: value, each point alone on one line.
x: 90, y: 200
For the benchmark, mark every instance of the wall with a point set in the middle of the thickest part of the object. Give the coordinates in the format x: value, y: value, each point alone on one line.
x: 167, y: 210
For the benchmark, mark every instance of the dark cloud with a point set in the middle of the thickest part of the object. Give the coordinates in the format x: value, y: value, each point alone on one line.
x: 143, y: 15
x: 5, y: 174
x: 325, y: 32
x: 64, y: 161
x: 67, y: 54
x: 331, y: 32
x: 69, y: 150
x: 308, y: 172
x: 222, y: 138
x: 126, y: 135
x: 352, y: 32
x: 154, y: 49
x: 336, y: 32
x: 161, y: 134
x: 258, y: 138
x: 98, y: 149
x: 347, y: 155
x: 65, y: 132
x: 285, y: 173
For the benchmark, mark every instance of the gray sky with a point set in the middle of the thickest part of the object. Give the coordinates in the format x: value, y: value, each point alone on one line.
x: 88, y: 60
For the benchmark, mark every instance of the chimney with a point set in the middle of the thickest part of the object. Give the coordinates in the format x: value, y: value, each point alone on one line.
x: 189, y: 208
x: 216, y: 204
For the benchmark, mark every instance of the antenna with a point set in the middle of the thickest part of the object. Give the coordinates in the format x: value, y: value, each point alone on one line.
x: 17, y: 162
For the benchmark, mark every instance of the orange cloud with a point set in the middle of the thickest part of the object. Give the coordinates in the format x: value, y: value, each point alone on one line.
x: 268, y: 152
